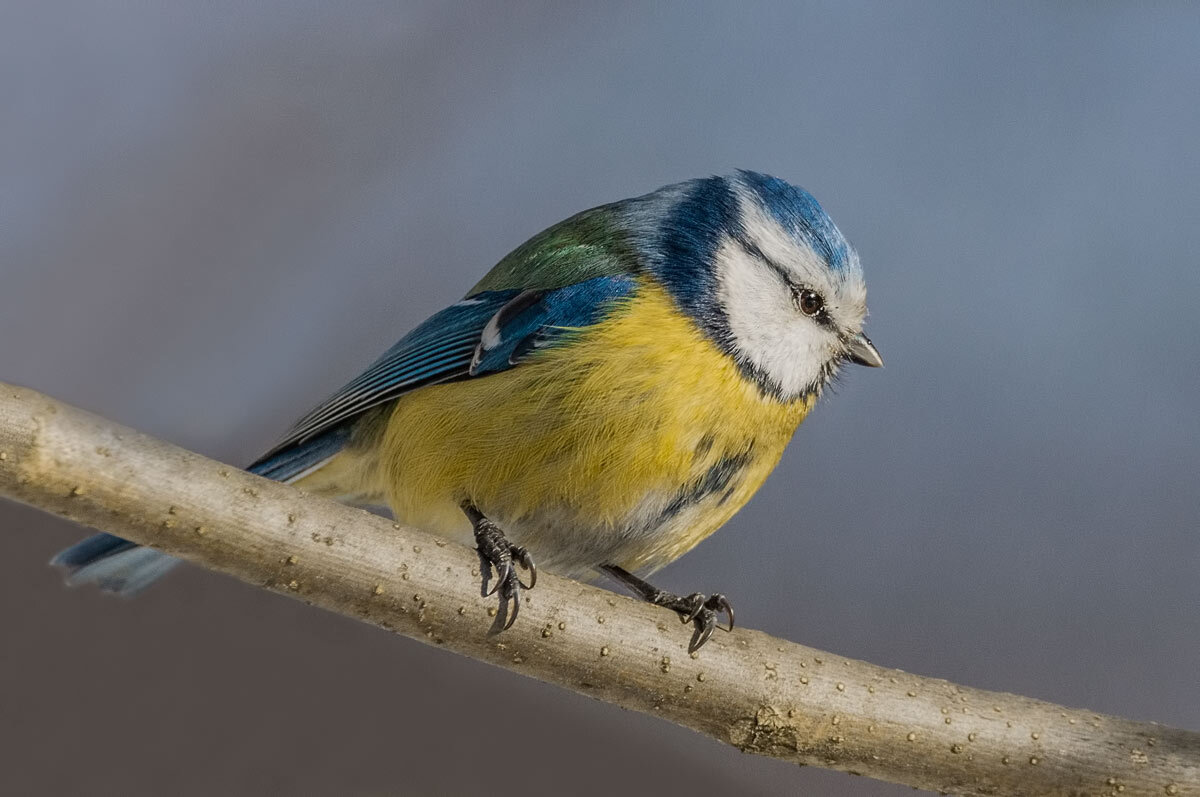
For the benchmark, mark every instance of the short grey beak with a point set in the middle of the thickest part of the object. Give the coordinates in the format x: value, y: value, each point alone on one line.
x: 861, y: 350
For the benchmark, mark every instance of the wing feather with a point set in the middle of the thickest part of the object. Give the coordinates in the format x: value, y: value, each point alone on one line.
x: 486, y: 333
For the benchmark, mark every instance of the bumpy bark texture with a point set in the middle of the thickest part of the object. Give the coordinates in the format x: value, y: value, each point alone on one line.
x: 760, y: 694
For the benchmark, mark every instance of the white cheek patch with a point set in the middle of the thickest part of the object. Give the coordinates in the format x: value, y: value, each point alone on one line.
x: 768, y: 331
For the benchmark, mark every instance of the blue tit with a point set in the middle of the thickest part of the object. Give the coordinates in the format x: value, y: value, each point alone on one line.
x: 610, y: 394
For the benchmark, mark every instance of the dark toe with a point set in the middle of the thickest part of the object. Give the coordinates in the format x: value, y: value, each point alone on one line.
x: 705, y: 623
x: 719, y: 604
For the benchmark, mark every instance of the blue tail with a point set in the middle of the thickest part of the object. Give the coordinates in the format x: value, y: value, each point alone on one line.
x: 113, y: 564
x: 126, y: 568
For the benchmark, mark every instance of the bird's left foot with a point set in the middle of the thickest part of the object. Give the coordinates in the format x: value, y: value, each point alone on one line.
x: 495, y: 551
x: 700, y: 610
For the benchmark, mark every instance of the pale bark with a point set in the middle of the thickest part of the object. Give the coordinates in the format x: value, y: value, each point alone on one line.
x: 760, y: 694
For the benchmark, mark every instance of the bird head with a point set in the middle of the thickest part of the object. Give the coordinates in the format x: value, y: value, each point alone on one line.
x: 766, y: 274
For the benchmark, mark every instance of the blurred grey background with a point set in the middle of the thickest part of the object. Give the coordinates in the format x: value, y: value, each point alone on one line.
x: 211, y: 214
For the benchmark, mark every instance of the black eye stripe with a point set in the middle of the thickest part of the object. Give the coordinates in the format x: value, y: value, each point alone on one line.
x: 821, y: 316
x: 752, y: 249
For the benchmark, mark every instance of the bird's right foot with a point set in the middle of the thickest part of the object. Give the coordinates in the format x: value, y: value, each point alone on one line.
x: 495, y: 551
x: 698, y: 609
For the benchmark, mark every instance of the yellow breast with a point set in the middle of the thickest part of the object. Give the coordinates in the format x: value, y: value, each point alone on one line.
x: 628, y: 444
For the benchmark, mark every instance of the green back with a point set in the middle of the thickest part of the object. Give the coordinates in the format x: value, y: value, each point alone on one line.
x: 589, y: 244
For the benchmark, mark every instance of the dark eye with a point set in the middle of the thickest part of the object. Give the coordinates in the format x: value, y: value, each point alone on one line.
x: 809, y: 301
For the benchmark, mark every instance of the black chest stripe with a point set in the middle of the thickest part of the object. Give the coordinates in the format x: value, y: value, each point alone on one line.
x: 720, y: 477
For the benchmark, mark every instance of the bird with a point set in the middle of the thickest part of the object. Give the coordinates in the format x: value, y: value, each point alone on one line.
x: 606, y: 397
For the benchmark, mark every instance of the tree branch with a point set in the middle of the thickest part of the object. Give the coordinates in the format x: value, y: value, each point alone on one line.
x: 760, y: 694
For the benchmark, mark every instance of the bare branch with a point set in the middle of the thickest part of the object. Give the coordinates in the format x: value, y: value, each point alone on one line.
x: 760, y: 694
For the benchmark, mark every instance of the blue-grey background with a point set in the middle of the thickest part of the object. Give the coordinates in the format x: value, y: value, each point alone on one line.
x: 213, y: 214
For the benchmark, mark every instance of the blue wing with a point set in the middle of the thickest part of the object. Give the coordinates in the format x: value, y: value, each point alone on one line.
x: 484, y: 334
x: 535, y: 319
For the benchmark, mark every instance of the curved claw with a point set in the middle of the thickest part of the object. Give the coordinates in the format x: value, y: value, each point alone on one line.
x: 522, y: 557
x: 703, y: 613
x: 721, y: 604
x: 515, y: 600
x: 502, y: 575
x: 703, y: 632
x: 697, y: 602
